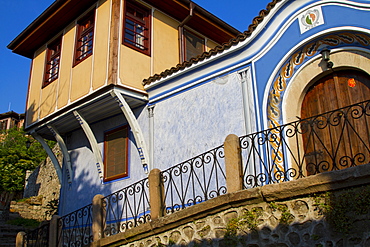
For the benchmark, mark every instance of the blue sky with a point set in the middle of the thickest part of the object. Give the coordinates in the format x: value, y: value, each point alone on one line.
x: 16, y: 15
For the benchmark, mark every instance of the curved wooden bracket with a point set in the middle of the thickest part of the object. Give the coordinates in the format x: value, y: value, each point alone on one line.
x: 65, y: 153
x: 51, y: 155
x: 93, y: 143
x: 135, y: 127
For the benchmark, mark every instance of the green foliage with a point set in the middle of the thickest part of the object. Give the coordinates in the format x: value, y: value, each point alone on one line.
x: 248, y: 221
x: 315, y: 237
x: 28, y: 223
x: 251, y: 219
x: 52, y: 207
x: 159, y: 244
x: 340, y: 209
x: 204, y: 230
x: 171, y: 242
x: 16, y: 159
x: 286, y: 217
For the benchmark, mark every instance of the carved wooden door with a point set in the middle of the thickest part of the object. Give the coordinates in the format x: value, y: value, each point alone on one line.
x: 338, y: 138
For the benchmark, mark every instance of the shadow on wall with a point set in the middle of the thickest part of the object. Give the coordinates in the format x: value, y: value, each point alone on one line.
x: 327, y: 219
x: 85, y: 180
x: 327, y: 209
x: 31, y: 186
x: 310, y: 233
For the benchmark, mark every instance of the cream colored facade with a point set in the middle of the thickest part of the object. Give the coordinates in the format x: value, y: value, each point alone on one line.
x: 76, y: 82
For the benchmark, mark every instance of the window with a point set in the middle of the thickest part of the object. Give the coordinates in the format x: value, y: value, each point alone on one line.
x: 52, y: 62
x: 116, y: 153
x: 137, y: 27
x: 3, y: 124
x: 193, y: 45
x: 85, y: 37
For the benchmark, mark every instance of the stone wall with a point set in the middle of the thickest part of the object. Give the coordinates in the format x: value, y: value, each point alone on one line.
x: 328, y: 209
x: 307, y: 227
x: 41, y: 188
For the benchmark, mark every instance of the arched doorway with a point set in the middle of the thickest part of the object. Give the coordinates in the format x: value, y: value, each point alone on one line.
x: 336, y: 139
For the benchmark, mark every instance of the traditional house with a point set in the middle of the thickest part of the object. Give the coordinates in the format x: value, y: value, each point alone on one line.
x: 298, y: 59
x: 294, y: 87
x: 10, y: 120
x: 101, y: 86
x: 89, y: 59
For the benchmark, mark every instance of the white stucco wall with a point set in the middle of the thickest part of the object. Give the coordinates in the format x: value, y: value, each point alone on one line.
x: 197, y: 120
x: 86, y: 182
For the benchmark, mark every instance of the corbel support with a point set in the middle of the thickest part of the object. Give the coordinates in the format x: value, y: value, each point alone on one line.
x: 93, y: 143
x: 135, y: 127
x: 63, y: 147
x: 48, y: 150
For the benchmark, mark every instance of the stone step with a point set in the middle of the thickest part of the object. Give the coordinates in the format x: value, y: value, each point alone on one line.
x: 10, y: 244
x: 8, y: 234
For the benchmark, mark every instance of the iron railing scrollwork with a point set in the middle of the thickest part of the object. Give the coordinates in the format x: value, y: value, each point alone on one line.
x: 331, y: 141
x: 194, y: 181
x: 126, y: 208
x: 75, y: 229
x: 38, y: 237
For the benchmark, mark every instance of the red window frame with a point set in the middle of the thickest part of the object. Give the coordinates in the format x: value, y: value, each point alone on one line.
x: 116, y: 157
x: 52, y: 63
x: 84, y: 38
x: 189, y: 38
x: 136, y: 27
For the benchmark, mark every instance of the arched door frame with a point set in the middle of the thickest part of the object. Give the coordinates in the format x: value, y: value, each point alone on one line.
x: 349, y: 58
x: 304, y: 60
x: 287, y: 85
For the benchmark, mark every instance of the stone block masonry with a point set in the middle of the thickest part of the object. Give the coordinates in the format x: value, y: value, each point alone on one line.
x: 42, y: 188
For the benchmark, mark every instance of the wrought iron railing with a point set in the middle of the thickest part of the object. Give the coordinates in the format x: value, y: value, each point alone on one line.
x: 127, y: 208
x: 330, y: 141
x: 196, y: 180
x: 75, y: 229
x: 38, y: 237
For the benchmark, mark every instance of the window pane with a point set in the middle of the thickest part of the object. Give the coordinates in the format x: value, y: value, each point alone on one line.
x: 137, y: 23
x: 84, y: 46
x: 194, y: 45
x: 52, y: 62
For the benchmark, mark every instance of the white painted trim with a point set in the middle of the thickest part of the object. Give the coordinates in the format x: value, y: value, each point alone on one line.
x: 135, y: 127
x: 132, y: 92
x: 72, y: 54
x: 65, y: 153
x: 119, y: 50
x: 152, y: 42
x: 292, y: 12
x: 151, y: 134
x: 94, y: 47
x: 28, y: 99
x: 93, y: 143
x: 108, y: 44
x: 51, y: 155
x: 245, y: 80
x: 254, y: 95
x: 290, y: 53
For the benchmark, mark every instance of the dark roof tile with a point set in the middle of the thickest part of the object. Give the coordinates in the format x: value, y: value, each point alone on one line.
x: 218, y: 49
